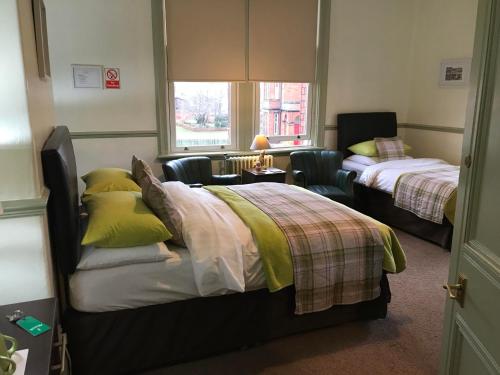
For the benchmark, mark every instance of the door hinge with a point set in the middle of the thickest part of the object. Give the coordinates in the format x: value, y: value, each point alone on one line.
x: 468, y: 161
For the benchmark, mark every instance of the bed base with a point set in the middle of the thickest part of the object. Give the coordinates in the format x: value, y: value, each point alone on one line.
x: 132, y: 340
x: 380, y: 206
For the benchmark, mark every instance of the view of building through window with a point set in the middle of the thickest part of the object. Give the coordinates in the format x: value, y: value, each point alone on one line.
x: 283, y: 112
x: 202, y: 113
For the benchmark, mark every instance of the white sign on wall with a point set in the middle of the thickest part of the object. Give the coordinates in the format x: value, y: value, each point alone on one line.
x: 87, y: 76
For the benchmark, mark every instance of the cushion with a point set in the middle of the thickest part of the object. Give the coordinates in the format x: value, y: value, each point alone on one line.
x: 97, y: 257
x: 368, y: 148
x: 121, y: 219
x: 390, y: 148
x: 109, y: 179
x: 139, y: 169
x: 158, y: 200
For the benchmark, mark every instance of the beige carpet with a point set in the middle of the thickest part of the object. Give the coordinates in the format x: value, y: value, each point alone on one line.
x: 406, y: 342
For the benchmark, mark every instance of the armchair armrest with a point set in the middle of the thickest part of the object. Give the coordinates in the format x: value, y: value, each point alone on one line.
x: 345, y: 180
x: 226, y: 179
x: 299, y: 178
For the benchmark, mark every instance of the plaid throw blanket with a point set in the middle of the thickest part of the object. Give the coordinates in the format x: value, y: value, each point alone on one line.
x: 337, y: 253
x: 426, y: 193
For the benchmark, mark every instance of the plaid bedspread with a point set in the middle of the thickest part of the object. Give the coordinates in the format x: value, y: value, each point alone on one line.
x: 337, y: 253
x: 426, y: 193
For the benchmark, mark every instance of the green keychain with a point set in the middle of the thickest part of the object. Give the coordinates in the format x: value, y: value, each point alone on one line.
x: 32, y: 325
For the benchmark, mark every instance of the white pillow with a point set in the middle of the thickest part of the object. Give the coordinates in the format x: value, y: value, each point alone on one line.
x: 369, y: 160
x: 97, y: 257
x: 365, y: 160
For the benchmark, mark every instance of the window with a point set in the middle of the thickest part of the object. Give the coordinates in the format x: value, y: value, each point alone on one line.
x: 223, y: 88
x: 284, y: 113
x: 203, y: 114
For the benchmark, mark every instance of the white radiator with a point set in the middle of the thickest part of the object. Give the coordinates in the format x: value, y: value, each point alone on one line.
x: 236, y: 164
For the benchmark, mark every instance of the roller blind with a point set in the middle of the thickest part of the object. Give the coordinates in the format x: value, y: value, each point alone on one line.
x: 238, y: 40
x: 282, y: 40
x: 206, y: 40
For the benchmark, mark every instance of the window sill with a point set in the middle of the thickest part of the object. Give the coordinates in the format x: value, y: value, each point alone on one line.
x: 219, y: 155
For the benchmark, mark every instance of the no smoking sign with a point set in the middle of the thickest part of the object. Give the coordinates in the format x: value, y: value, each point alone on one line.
x: 112, y: 78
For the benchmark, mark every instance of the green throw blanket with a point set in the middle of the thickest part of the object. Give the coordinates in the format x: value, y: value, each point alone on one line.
x: 273, y: 245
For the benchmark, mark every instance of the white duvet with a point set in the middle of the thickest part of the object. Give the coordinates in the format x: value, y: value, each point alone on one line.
x: 221, y: 245
x: 383, y: 176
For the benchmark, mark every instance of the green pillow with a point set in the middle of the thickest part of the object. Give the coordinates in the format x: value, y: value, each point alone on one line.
x: 121, y: 219
x: 106, y: 174
x: 109, y: 179
x: 368, y: 148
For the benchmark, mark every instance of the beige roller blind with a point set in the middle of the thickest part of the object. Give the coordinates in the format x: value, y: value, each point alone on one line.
x: 206, y: 40
x: 282, y: 40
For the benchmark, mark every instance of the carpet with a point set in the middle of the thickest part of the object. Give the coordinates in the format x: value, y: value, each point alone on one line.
x: 407, y: 342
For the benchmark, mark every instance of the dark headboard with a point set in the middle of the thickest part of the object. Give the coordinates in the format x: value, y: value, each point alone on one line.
x: 353, y: 128
x: 59, y: 173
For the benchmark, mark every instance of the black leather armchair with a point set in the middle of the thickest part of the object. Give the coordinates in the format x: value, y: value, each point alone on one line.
x: 196, y: 172
x: 322, y: 173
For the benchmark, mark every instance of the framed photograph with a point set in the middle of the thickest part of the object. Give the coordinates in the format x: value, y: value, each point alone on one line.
x: 42, y: 46
x: 454, y: 72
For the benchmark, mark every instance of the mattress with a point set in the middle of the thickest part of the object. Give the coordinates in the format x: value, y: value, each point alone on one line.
x: 136, y: 285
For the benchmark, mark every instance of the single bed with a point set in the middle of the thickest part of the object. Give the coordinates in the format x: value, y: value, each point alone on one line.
x: 129, y: 332
x: 377, y: 201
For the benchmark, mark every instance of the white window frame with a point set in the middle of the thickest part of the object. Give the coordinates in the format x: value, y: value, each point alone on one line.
x: 233, y: 120
x: 279, y: 138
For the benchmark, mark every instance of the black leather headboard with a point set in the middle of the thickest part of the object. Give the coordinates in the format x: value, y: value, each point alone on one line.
x: 59, y: 173
x: 353, y: 128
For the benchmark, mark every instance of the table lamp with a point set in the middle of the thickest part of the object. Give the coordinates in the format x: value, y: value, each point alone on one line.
x: 261, y: 143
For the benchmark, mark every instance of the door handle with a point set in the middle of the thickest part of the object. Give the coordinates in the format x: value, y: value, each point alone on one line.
x: 457, y: 291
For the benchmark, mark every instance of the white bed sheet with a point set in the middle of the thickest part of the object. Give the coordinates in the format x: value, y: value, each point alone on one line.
x: 222, y: 258
x: 136, y: 285
x: 354, y: 166
x: 383, y: 176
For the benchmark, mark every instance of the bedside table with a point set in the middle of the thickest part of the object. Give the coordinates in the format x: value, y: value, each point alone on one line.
x: 250, y: 176
x: 44, y: 350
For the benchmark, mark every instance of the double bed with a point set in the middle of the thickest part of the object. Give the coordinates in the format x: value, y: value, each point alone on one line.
x: 192, y: 303
x: 375, y: 183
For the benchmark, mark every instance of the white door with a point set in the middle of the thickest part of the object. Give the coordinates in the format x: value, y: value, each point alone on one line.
x: 471, y: 342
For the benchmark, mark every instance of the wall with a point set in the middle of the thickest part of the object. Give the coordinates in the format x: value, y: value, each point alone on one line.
x: 369, y: 57
x: 442, y: 29
x: 385, y: 55
x: 24, y: 260
x: 16, y: 156
x: 368, y: 64
x: 114, y: 33
x: 381, y: 53
x: 370, y: 44
x: 26, y: 118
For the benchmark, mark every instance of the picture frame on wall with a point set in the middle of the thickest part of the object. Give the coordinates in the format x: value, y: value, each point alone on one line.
x: 41, y: 40
x: 454, y: 72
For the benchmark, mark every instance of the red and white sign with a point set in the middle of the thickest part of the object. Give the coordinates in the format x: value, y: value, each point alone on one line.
x: 112, y: 78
